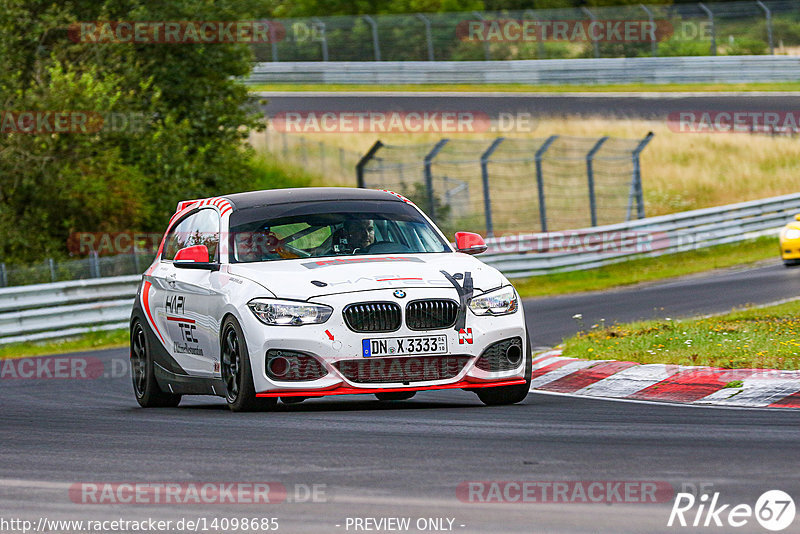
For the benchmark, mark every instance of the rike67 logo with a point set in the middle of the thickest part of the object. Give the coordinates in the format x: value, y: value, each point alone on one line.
x: 465, y: 336
x: 774, y: 510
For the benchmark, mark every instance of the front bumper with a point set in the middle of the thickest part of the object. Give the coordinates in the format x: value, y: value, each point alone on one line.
x: 333, y: 342
x: 790, y: 249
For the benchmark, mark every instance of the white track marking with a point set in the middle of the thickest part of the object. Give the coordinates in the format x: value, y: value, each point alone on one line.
x: 629, y: 381
x: 756, y: 392
x: 561, y: 372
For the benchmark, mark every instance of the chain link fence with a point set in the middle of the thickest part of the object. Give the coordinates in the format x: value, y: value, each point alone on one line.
x: 93, y: 266
x: 496, y: 186
x: 729, y: 28
x: 502, y: 186
x: 333, y: 163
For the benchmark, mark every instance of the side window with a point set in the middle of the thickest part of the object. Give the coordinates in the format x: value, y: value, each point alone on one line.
x: 202, y: 228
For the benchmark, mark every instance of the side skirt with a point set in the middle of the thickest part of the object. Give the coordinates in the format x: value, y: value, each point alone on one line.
x: 188, y: 385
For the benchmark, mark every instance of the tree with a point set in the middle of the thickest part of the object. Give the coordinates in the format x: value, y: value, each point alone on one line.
x: 194, y: 120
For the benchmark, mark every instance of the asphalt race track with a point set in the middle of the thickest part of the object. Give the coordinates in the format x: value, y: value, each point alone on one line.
x: 642, y: 105
x: 407, y: 459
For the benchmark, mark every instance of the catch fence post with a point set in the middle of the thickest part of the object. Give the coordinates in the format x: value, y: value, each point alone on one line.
x: 590, y: 178
x: 487, y: 201
x: 429, y: 177
x: 363, y: 161
x: 540, y: 181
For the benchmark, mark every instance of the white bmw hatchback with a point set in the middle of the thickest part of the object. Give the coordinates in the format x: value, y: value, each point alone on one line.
x: 300, y: 293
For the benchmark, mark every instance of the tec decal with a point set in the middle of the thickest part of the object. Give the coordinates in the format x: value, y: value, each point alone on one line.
x: 185, y: 328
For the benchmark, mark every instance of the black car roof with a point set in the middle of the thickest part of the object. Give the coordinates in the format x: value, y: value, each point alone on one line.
x: 254, y: 199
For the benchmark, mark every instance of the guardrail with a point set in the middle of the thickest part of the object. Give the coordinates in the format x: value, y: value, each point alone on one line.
x: 47, y: 311
x: 44, y: 311
x: 700, y: 69
x: 536, y: 254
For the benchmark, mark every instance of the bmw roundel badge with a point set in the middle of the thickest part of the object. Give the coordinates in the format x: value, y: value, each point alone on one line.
x: 399, y: 293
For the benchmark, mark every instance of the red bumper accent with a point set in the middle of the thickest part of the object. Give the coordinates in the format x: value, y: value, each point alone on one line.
x: 348, y: 390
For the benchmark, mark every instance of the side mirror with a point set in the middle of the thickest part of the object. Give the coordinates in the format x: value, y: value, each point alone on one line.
x: 797, y: 217
x: 194, y: 257
x: 470, y: 243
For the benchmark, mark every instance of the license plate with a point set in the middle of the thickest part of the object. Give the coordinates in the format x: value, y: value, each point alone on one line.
x: 403, y: 346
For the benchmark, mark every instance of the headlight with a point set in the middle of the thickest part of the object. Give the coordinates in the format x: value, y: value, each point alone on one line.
x: 498, y: 302
x: 287, y: 313
x: 791, y: 233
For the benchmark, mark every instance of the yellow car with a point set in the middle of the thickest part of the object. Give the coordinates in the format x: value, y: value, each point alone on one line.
x: 790, y: 242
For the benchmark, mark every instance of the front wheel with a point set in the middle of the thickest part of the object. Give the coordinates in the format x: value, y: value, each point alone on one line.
x: 145, y: 387
x: 237, y: 372
x: 499, y: 396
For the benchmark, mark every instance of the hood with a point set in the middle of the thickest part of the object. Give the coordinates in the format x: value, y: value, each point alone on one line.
x: 301, y: 279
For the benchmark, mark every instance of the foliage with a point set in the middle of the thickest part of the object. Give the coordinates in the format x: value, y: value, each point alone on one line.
x: 193, y: 121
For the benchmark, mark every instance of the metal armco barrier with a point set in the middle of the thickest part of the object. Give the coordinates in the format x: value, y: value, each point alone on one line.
x: 62, y: 309
x: 45, y: 311
x: 699, y: 69
x: 526, y: 255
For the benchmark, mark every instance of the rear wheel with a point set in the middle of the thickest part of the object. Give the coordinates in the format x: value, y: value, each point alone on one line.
x: 145, y: 387
x: 499, y: 396
x: 395, y: 395
x: 237, y: 372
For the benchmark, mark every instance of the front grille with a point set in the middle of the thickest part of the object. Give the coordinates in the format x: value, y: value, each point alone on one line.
x: 430, y: 314
x: 410, y: 369
x: 495, y: 357
x: 373, y: 317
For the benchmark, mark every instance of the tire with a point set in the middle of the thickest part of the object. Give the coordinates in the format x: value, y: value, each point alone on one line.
x: 237, y: 373
x: 791, y: 263
x: 145, y: 387
x: 502, y: 395
x: 395, y: 395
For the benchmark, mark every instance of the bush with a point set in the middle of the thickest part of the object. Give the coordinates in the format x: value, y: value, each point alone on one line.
x: 747, y: 47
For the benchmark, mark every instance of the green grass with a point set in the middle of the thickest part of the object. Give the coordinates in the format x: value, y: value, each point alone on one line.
x: 523, y: 88
x: 650, y: 269
x: 106, y: 339
x: 760, y: 338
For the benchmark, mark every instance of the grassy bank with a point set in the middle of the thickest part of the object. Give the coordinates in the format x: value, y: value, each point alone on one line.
x: 107, y: 339
x: 650, y: 269
x: 523, y: 88
x: 766, y: 338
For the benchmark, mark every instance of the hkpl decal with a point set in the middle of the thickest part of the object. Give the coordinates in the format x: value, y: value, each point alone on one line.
x: 464, y: 294
x: 465, y: 336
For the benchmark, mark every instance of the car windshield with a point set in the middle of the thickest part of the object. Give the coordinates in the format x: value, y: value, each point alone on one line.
x: 330, y: 228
